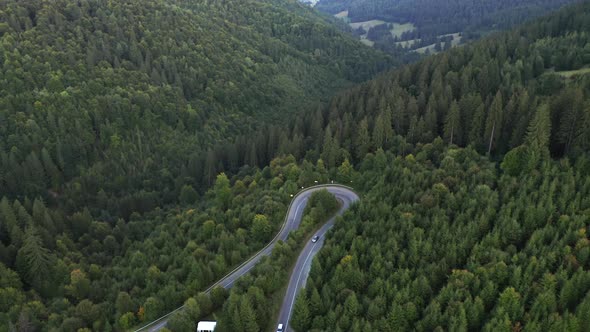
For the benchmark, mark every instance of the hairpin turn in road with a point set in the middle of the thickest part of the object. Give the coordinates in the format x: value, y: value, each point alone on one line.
x: 297, y: 280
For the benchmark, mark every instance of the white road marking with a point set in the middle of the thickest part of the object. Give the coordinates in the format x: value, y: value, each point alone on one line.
x: 296, y: 286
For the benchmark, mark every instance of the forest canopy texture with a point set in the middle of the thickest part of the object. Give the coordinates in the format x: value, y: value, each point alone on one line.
x: 114, y: 111
x: 113, y: 96
x: 148, y: 147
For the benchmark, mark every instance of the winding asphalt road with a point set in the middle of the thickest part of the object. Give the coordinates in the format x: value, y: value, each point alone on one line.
x: 294, y: 215
x: 303, y: 265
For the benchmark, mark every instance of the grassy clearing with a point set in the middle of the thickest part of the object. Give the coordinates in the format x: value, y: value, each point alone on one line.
x: 572, y: 73
x: 423, y: 50
x: 456, y: 40
x: 366, y: 24
x: 408, y: 43
x: 366, y: 41
x: 342, y: 14
x: 398, y: 29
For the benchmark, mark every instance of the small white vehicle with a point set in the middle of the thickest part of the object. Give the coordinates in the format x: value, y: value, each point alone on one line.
x: 280, y: 328
x: 315, y: 239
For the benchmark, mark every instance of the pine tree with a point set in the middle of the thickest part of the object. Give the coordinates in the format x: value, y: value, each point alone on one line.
x: 35, y: 173
x: 574, y: 121
x: 399, y: 114
x: 236, y: 320
x: 252, y: 156
x: 494, y: 121
x: 348, y: 132
x: 351, y: 306
x: 261, y: 228
x: 330, y: 150
x: 34, y: 260
x: 316, y: 125
x: 222, y: 191
x: 510, y: 303
x: 124, y: 303
x: 316, y: 305
x: 498, y: 324
x: 248, y: 316
x: 388, y: 127
x: 522, y: 119
x: 537, y: 139
x: 430, y: 126
x: 583, y: 312
x: 210, y: 167
x: 413, y: 131
x: 452, y: 123
x: 50, y: 169
x: 188, y: 195
x: 7, y: 216
x: 79, y: 286
x: 38, y: 212
x: 345, y: 171
x: 301, y: 319
x: 459, y: 322
x: 475, y: 133
x: 192, y: 308
x: 397, y: 319
x: 475, y: 313
x: 180, y: 321
x: 362, y: 140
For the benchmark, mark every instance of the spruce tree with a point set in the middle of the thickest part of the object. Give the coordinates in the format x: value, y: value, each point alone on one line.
x: 34, y: 260
x: 494, y: 122
x: 452, y: 123
x: 537, y: 138
x: 301, y: 318
x: 248, y: 316
x: 362, y: 140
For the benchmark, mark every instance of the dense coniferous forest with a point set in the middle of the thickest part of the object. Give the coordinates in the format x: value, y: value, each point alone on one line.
x: 138, y: 165
x: 108, y: 115
x: 434, y: 20
x: 484, y: 95
x: 443, y: 241
x: 474, y: 218
x: 74, y: 272
x: 112, y: 97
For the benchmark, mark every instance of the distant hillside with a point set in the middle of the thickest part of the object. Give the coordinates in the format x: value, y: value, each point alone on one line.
x: 434, y: 21
x: 484, y: 94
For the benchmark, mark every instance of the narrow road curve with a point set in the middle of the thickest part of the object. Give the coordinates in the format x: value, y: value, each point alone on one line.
x: 303, y: 265
x: 291, y: 222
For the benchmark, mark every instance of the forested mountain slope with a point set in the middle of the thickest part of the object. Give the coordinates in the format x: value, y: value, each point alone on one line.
x: 484, y: 94
x: 113, y: 96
